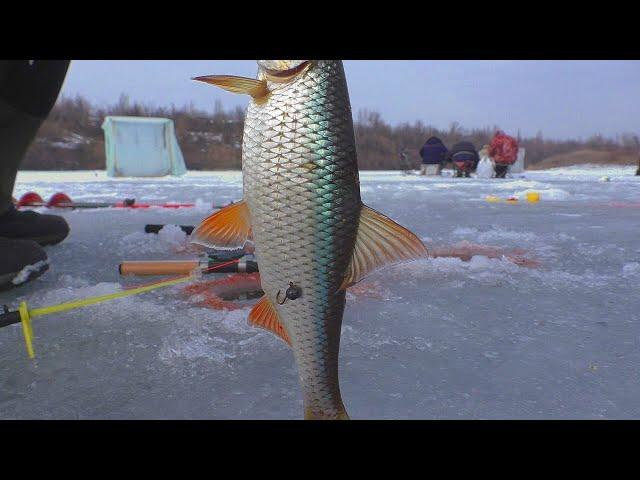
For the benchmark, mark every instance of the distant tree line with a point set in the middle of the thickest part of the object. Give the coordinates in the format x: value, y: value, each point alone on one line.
x: 72, y: 139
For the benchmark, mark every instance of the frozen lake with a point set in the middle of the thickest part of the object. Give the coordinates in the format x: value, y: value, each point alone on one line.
x: 441, y: 339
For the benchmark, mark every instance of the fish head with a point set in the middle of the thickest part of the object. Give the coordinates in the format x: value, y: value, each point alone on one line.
x: 282, y: 71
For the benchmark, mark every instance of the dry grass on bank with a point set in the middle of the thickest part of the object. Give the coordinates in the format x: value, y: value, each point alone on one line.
x: 581, y: 157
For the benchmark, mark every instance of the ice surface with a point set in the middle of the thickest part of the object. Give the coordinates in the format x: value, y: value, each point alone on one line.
x: 437, y: 338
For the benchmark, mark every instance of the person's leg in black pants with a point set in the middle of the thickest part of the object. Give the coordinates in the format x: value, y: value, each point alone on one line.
x: 28, y: 91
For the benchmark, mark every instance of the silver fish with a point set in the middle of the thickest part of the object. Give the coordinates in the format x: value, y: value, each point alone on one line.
x: 313, y: 235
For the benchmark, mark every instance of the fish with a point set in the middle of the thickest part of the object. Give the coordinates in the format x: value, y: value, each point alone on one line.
x: 302, y: 210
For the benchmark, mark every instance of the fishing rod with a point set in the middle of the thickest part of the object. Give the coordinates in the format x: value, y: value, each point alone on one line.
x: 62, y: 200
x: 24, y: 315
x: 245, y: 264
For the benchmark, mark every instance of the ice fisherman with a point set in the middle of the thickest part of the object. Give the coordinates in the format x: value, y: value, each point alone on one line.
x: 28, y: 91
x: 504, y: 151
x: 434, y: 154
x: 464, y: 157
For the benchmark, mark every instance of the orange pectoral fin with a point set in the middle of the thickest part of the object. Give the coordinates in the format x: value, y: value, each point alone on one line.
x: 264, y: 315
x: 227, y: 228
x: 380, y: 242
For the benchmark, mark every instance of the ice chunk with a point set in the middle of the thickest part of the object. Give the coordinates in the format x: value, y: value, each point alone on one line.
x: 631, y: 269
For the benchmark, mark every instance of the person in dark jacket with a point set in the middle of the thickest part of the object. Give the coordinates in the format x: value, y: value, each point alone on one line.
x: 464, y: 157
x: 434, y: 154
x: 638, y: 171
x: 28, y: 90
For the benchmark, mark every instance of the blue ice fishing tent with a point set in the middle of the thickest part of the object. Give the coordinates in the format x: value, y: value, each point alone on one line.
x: 142, y: 147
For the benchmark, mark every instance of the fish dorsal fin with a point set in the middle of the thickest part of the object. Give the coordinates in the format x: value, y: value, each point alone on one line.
x: 264, y: 315
x: 257, y: 89
x: 380, y: 242
x: 227, y: 228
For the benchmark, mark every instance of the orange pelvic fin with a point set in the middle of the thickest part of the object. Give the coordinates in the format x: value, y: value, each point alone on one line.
x: 264, y: 315
x: 380, y: 242
x: 227, y: 228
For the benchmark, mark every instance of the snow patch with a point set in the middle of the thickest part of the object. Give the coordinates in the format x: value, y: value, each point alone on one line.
x: 27, y: 271
x: 172, y: 235
x: 498, y: 234
x: 631, y: 269
x: 545, y: 194
x: 170, y: 238
x: 195, y: 346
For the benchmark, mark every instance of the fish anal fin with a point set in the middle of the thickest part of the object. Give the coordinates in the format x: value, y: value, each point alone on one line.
x: 264, y: 315
x: 248, y: 86
x: 227, y: 228
x: 380, y: 242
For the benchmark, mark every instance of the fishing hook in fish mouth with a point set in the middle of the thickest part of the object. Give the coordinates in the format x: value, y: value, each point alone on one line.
x: 292, y: 293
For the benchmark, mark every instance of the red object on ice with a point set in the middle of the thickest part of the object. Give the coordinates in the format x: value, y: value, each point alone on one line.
x: 151, y: 205
x: 503, y: 149
x: 60, y: 199
x: 30, y: 198
x: 213, y: 292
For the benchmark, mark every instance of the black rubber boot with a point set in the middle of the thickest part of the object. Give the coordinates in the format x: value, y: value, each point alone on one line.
x: 20, y: 262
x: 501, y: 171
x: 29, y: 225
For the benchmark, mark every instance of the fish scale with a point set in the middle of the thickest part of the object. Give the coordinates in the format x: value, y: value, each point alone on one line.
x: 300, y: 183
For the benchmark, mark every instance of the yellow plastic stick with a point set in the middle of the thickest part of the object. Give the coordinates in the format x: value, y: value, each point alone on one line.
x: 26, y: 315
x: 27, y: 331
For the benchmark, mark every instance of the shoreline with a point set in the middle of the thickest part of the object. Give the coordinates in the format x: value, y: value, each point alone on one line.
x: 75, y: 176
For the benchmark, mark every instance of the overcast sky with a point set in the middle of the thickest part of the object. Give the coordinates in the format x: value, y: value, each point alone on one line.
x: 562, y: 99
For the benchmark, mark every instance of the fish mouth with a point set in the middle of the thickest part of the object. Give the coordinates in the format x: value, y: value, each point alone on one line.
x: 283, y: 76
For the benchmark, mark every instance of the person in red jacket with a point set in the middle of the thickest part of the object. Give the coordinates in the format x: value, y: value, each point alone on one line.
x: 503, y: 149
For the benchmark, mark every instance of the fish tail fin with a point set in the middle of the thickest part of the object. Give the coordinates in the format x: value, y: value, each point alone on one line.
x: 380, y: 242
x: 311, y: 414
